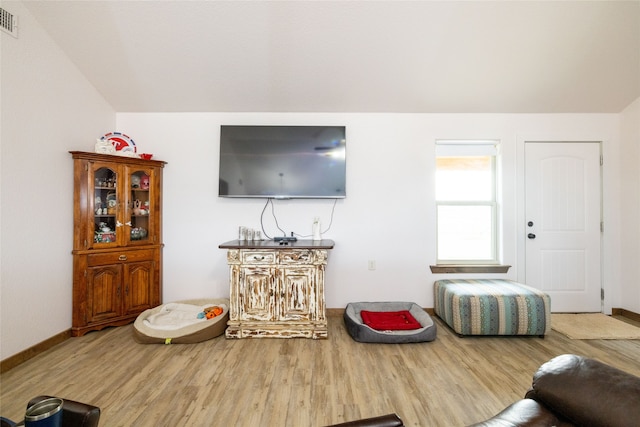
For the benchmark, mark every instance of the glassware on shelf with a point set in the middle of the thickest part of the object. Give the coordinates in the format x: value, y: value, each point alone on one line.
x: 140, y: 205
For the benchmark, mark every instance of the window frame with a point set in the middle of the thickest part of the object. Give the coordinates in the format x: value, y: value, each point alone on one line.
x: 470, y: 148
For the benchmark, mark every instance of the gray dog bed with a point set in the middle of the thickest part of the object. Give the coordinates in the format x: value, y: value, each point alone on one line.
x: 363, y: 333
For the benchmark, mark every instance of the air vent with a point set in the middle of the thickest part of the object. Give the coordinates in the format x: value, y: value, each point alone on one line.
x: 8, y: 23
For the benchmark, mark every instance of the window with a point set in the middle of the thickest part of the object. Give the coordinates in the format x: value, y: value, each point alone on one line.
x: 467, y: 210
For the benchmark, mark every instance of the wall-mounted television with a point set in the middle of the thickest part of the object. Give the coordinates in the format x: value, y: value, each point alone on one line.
x: 282, y: 161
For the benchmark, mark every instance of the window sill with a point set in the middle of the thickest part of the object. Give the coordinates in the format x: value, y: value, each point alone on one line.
x: 450, y: 269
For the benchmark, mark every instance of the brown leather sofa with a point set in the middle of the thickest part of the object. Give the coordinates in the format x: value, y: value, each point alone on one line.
x: 572, y: 390
x: 389, y: 420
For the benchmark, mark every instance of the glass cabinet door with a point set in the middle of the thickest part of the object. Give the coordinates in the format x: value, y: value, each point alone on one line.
x: 105, y: 205
x: 140, y: 206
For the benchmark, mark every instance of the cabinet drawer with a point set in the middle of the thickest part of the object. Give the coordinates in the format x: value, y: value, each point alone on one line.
x: 118, y: 257
x: 295, y: 256
x: 258, y: 257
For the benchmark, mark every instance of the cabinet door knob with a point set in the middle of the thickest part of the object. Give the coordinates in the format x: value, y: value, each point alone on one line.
x: 122, y: 258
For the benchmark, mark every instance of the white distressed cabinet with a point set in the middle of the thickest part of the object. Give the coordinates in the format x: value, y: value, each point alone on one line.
x: 277, y: 290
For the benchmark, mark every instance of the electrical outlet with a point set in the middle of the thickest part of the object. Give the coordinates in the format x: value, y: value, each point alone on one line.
x: 372, y: 264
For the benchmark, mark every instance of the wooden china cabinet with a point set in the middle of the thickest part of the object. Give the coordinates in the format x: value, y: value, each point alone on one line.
x: 117, y: 239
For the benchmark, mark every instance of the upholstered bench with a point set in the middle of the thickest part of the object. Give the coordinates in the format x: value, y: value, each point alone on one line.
x: 492, y: 307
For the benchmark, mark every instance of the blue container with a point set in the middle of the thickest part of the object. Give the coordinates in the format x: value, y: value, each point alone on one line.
x: 46, y: 413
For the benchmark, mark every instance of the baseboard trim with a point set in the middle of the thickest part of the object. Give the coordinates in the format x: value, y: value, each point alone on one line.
x: 626, y: 313
x: 31, y: 352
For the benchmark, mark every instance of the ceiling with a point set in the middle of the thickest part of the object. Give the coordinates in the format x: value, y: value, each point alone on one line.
x: 353, y: 56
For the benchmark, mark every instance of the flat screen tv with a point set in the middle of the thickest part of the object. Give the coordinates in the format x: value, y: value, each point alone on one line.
x: 282, y: 161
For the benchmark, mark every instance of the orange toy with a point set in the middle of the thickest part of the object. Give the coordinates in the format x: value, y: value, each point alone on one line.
x: 211, y: 312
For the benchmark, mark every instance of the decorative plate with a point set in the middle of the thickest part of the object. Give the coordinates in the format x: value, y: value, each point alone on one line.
x: 120, y: 141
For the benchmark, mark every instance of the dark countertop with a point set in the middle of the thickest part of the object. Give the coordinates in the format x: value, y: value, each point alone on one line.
x: 271, y: 244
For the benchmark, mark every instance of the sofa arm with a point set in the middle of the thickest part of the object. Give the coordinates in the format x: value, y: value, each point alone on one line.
x: 74, y: 414
x: 587, y: 392
x: 389, y: 420
x: 525, y: 412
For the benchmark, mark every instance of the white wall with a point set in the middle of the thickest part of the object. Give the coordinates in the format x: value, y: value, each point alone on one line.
x: 630, y: 207
x: 48, y: 108
x: 388, y: 215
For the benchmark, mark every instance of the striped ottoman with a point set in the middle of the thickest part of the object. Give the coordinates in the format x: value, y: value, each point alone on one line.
x: 492, y: 307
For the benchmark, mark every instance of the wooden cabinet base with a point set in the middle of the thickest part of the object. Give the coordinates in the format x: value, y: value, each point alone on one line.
x: 80, y: 331
x: 277, y: 330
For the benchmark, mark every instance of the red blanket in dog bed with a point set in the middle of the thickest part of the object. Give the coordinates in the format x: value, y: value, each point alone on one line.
x: 390, y: 320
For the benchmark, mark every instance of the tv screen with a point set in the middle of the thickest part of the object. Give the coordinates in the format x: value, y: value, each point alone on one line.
x: 282, y: 161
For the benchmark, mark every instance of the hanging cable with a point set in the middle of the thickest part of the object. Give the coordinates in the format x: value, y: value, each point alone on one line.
x: 284, y: 233
x: 264, y: 233
x: 335, y: 201
x: 269, y: 201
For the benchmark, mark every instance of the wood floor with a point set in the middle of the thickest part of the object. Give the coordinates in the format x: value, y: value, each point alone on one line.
x: 298, y: 382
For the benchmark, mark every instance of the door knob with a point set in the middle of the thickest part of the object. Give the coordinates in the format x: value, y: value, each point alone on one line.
x: 531, y: 236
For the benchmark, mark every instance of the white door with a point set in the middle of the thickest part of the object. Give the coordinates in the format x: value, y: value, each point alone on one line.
x: 562, y: 208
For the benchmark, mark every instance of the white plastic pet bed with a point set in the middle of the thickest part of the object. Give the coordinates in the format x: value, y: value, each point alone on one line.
x: 181, y: 322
